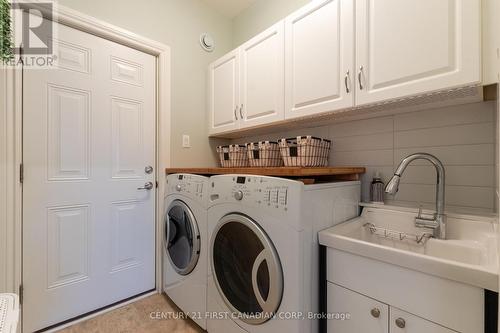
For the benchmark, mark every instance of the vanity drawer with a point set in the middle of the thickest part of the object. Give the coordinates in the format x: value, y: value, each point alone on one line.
x: 446, y: 302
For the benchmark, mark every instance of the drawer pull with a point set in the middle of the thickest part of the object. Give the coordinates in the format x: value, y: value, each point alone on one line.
x: 375, y: 312
x: 400, y: 322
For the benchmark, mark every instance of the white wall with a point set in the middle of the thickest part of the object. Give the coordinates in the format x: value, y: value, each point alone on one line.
x: 177, y: 23
x: 463, y: 137
x: 3, y: 184
x: 261, y: 15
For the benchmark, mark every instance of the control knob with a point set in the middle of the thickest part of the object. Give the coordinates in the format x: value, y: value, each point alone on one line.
x: 238, y: 195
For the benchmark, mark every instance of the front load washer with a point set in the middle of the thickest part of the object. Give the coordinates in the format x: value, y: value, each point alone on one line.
x: 263, y: 252
x: 185, y: 244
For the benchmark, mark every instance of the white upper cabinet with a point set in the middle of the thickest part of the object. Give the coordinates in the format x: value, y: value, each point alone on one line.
x: 333, y: 55
x: 262, y: 78
x: 223, y: 97
x: 319, y: 58
x: 408, y: 47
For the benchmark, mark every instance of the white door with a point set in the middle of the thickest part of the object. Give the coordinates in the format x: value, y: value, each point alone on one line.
x: 319, y: 58
x: 408, y: 47
x: 262, y: 78
x: 404, y: 322
x: 89, y: 133
x: 365, y: 314
x: 223, y: 96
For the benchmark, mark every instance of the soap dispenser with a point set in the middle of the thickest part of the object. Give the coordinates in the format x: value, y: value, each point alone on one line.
x: 377, y: 189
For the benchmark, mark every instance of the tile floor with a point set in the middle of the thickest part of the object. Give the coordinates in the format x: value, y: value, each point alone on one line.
x: 135, y: 317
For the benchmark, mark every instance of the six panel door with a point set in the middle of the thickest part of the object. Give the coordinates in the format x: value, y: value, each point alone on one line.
x: 262, y: 78
x: 89, y: 132
x: 319, y: 58
x: 408, y: 47
x: 224, y: 95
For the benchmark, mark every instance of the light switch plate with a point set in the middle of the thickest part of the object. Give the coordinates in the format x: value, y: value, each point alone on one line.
x: 186, y: 141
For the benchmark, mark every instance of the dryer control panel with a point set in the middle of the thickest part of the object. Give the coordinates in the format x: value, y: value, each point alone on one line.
x: 261, y: 192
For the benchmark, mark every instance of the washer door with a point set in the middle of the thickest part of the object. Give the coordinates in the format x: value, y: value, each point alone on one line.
x: 182, y: 237
x: 247, y: 270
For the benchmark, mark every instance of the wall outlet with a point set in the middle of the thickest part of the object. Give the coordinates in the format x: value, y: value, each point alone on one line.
x: 186, y: 141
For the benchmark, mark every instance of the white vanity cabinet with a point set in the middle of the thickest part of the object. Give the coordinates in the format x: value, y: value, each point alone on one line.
x: 319, y: 58
x: 364, y: 314
x: 246, y: 86
x: 405, y: 300
x: 404, y: 322
x: 369, y: 315
x: 409, y: 47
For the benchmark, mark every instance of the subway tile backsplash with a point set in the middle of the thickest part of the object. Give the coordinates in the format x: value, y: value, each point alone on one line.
x: 463, y: 137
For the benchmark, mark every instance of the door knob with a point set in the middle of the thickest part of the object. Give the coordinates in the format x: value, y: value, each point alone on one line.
x: 148, y: 169
x: 148, y: 186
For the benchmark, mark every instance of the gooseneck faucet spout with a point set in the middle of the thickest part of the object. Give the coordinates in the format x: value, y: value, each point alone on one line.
x: 439, y: 221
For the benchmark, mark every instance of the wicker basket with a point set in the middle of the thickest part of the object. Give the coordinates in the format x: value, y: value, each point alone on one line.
x: 264, y: 154
x: 305, y: 151
x: 233, y: 156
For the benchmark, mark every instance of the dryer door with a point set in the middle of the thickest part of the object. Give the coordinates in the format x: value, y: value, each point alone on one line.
x: 182, y: 237
x: 246, y: 267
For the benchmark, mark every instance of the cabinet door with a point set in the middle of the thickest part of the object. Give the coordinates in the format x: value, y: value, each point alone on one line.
x: 223, y: 95
x: 319, y: 58
x: 365, y: 314
x: 262, y: 78
x: 408, y: 47
x: 404, y: 322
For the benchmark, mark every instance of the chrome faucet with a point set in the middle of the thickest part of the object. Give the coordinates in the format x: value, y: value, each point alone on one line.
x: 438, y: 223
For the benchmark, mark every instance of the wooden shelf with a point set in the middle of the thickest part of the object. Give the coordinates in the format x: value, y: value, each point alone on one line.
x: 321, y: 173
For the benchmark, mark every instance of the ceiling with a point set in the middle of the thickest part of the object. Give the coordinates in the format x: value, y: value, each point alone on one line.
x: 229, y: 8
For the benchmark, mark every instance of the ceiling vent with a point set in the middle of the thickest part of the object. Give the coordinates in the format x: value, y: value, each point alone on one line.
x: 207, y: 42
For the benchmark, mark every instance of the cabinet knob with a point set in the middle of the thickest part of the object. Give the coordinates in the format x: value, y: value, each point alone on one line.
x: 375, y: 312
x: 400, y: 322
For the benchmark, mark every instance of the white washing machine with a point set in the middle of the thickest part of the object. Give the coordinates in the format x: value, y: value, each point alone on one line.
x: 263, y: 252
x: 185, y: 244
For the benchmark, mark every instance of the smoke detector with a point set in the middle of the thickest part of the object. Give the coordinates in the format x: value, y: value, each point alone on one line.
x: 207, y: 42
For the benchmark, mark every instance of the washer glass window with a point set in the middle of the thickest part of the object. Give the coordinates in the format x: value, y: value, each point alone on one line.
x: 182, y: 238
x: 247, y: 269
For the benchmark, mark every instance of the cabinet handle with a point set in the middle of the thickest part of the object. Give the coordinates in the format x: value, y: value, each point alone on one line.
x: 346, y: 80
x: 400, y: 322
x: 235, y: 114
x: 375, y: 313
x: 241, y: 111
x: 360, y: 74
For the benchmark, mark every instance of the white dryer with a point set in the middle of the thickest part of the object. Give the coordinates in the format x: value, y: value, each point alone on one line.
x: 263, y: 252
x: 185, y: 244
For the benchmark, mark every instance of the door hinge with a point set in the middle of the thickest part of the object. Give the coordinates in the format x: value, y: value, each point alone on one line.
x: 21, y: 173
x: 156, y: 182
x: 21, y: 294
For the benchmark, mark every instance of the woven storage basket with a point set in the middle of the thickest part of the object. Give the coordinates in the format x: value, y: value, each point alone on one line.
x: 233, y: 156
x: 305, y: 151
x: 264, y: 154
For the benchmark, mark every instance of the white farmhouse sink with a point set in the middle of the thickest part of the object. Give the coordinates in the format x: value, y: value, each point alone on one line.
x: 468, y: 255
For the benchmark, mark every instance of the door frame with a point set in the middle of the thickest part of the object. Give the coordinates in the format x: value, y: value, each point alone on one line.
x: 13, y: 91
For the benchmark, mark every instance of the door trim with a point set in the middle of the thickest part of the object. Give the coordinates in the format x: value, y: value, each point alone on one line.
x: 13, y: 102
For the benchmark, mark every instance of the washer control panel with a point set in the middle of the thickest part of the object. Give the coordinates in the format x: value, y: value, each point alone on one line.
x: 190, y: 185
